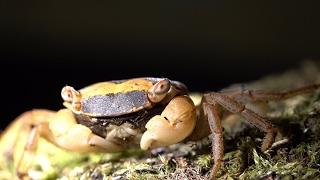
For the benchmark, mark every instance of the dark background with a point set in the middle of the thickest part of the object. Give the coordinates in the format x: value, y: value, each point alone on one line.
x: 205, y: 44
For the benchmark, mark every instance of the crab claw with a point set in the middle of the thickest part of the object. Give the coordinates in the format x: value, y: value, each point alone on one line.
x: 176, y: 122
x: 70, y: 95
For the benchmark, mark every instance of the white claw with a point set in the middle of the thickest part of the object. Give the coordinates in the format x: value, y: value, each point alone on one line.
x: 176, y: 122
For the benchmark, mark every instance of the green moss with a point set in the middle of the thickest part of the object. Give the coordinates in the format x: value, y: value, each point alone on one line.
x: 267, y: 167
x: 204, y: 161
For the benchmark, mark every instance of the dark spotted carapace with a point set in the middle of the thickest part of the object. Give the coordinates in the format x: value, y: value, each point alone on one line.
x: 115, y: 104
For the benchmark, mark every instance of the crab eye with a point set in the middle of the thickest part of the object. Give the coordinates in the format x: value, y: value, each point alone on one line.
x: 69, y: 94
x: 159, y: 90
x: 162, y: 87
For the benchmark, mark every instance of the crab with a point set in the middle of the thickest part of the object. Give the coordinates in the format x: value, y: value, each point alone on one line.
x: 143, y: 112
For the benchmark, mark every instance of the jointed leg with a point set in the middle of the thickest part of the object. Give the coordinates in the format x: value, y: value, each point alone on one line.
x: 253, y: 118
x: 59, y: 128
x: 215, y: 99
x: 216, y: 128
x: 259, y: 95
x: 20, y: 139
x: 28, y: 153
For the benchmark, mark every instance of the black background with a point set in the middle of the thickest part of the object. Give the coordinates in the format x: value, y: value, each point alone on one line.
x: 205, y: 44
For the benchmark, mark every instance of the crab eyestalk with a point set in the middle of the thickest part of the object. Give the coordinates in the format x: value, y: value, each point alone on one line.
x: 70, y: 95
x: 159, y: 91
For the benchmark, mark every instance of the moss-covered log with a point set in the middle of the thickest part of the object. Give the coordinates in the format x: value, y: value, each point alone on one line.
x: 295, y: 155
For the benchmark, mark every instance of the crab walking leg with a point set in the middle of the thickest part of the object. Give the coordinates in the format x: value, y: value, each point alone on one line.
x: 175, y: 123
x: 59, y: 128
x: 27, y: 156
x: 253, y: 118
x: 260, y: 95
x: 213, y: 115
x: 21, y: 138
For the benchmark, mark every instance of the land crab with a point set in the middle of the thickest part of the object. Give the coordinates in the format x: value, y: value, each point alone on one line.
x: 141, y: 112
